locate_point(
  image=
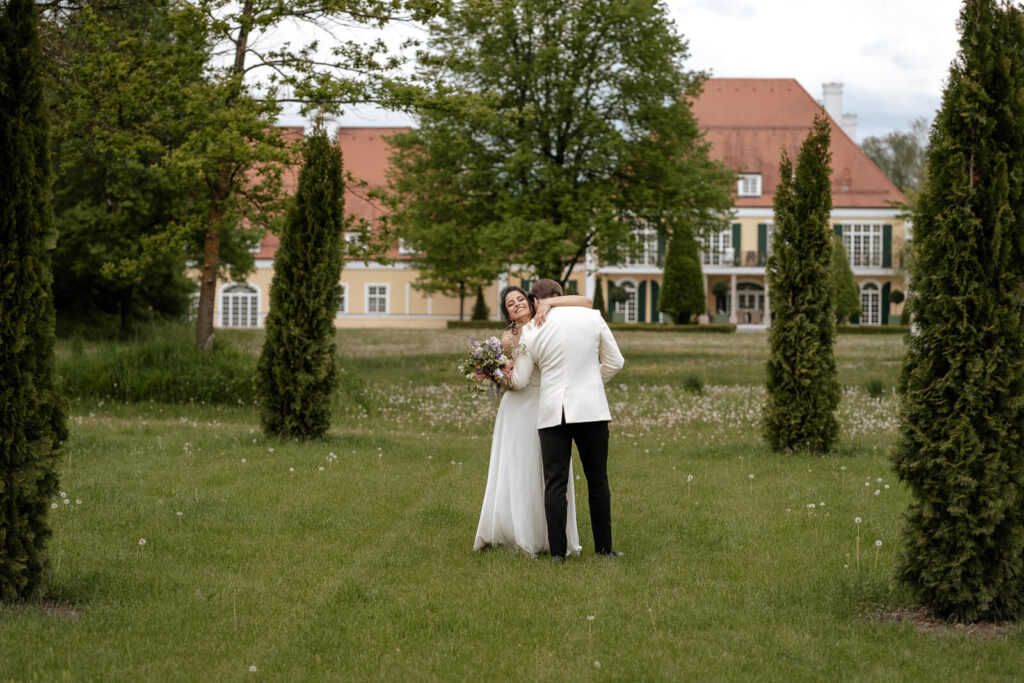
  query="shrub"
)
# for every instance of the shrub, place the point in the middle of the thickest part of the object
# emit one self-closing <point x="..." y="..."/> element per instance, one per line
<point x="166" y="368"/>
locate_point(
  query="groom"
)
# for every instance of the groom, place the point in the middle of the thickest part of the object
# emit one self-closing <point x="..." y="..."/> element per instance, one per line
<point x="576" y="354"/>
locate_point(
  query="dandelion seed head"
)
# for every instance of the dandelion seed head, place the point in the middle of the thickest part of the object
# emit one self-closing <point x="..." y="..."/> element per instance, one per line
<point x="878" y="543"/>
<point x="856" y="520"/>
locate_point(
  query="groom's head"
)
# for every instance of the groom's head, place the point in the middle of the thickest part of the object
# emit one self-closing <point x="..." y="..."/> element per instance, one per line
<point x="545" y="289"/>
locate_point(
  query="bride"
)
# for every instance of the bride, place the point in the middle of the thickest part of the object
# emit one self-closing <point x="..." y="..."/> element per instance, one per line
<point x="513" y="509"/>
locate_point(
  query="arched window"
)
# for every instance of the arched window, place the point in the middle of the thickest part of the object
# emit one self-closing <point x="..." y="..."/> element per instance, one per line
<point x="240" y="306"/>
<point x="870" y="304"/>
<point x="628" y="307"/>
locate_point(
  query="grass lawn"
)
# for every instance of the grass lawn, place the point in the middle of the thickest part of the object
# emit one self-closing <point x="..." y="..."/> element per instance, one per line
<point x="352" y="558"/>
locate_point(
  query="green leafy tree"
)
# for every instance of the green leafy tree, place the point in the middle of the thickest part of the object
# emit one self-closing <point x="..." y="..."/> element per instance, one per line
<point x="480" y="310"/>
<point x="599" y="298"/>
<point x="32" y="428"/>
<point x="960" y="446"/>
<point x="296" y="373"/>
<point x="900" y="155"/>
<point x="803" y="389"/>
<point x="551" y="129"/>
<point x="120" y="82"/>
<point x="682" y="289"/>
<point x="846" y="294"/>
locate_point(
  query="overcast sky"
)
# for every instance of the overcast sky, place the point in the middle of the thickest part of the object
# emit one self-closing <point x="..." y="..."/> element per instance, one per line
<point x="892" y="56"/>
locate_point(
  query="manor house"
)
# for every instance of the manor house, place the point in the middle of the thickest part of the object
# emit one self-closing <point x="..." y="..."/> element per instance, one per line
<point x="748" y="122"/>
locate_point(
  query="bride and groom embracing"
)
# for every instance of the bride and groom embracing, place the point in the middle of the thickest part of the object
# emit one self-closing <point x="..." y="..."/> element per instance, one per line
<point x="563" y="353"/>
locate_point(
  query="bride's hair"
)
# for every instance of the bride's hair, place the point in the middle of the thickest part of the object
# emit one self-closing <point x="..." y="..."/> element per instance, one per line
<point x="529" y="298"/>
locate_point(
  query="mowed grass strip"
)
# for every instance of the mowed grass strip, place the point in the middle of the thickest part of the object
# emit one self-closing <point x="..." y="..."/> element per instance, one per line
<point x="352" y="559"/>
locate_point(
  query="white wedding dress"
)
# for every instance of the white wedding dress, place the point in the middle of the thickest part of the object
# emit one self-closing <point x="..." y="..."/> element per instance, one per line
<point x="513" y="509"/>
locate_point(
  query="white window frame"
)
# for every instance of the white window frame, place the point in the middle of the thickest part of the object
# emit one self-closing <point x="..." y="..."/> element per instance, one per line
<point x="863" y="244"/>
<point x="368" y="296"/>
<point x="769" y="241"/>
<point x="629" y="307"/>
<point x="750" y="296"/>
<point x="239" y="305"/>
<point x="870" y="293"/>
<point x="404" y="249"/>
<point x="717" y="249"/>
<point x="343" y="306"/>
<point x="748" y="185"/>
<point x="648" y="237"/>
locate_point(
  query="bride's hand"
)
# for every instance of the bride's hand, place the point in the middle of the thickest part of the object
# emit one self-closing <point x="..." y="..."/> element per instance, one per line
<point x="542" y="313"/>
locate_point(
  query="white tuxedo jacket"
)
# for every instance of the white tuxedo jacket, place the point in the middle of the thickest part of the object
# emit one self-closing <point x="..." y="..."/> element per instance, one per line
<point x="576" y="354"/>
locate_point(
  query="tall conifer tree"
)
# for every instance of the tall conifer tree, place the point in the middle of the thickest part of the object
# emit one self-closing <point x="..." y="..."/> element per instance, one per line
<point x="803" y="390"/>
<point x="682" y="291"/>
<point x="961" y="449"/>
<point x="296" y="372"/>
<point x="32" y="419"/>
<point x="846" y="295"/>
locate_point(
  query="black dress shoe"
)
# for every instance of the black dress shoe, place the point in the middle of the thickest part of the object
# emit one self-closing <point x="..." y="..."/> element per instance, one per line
<point x="557" y="559"/>
<point x="611" y="554"/>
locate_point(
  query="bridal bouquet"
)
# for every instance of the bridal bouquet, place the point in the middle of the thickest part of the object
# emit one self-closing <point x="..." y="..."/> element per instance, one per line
<point x="484" y="362"/>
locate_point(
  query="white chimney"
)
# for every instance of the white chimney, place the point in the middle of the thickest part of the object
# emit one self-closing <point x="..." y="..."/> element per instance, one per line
<point x="832" y="100"/>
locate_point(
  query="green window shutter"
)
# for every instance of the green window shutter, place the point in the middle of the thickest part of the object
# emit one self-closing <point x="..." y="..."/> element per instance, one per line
<point x="762" y="243"/>
<point x="885" y="303"/>
<point x="855" y="319"/>
<point x="838" y="227"/>
<point x="572" y="287"/>
<point x="610" y="304"/>
<point x="887" y="246"/>
<point x="654" y="302"/>
<point x="526" y="284"/>
<point x="735" y="244"/>
<point x="641" y="302"/>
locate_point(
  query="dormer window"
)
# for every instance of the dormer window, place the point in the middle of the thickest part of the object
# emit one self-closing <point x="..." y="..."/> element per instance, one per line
<point x="748" y="185"/>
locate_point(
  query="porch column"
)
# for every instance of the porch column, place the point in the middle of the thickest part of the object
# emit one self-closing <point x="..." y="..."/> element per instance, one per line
<point x="734" y="300"/>
<point x="767" y="303"/>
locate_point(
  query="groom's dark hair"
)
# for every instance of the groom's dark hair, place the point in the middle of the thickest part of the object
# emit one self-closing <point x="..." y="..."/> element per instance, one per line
<point x="546" y="288"/>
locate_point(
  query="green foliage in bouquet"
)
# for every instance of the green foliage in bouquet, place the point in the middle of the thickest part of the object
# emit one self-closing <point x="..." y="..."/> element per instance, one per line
<point x="296" y="373"/>
<point x="32" y="413"/>
<point x="803" y="389"/>
<point x="961" y="447"/>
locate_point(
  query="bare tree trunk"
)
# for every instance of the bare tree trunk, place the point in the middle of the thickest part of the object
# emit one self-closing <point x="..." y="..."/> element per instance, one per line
<point x="462" y="299"/>
<point x="208" y="283"/>
<point x="219" y="192"/>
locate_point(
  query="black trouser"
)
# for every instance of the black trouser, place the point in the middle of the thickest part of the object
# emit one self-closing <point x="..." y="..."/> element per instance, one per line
<point x="556" y="451"/>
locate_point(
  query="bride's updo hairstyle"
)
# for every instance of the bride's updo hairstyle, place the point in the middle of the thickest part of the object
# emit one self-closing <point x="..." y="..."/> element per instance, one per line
<point x="529" y="299"/>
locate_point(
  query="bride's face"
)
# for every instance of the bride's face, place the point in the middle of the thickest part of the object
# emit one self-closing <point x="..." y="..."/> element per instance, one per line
<point x="518" y="307"/>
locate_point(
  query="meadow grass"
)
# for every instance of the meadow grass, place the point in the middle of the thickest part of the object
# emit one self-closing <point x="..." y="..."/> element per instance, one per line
<point x="351" y="558"/>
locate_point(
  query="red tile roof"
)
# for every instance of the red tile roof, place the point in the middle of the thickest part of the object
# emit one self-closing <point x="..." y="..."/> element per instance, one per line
<point x="365" y="155"/>
<point x="748" y="121"/>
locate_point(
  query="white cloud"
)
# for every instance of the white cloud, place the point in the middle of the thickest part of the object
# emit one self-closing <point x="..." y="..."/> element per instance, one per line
<point x="892" y="56"/>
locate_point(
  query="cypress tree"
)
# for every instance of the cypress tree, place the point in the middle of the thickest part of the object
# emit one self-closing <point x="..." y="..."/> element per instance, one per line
<point x="480" y="310"/>
<point x="803" y="390"/>
<point x="682" y="287"/>
<point x="599" y="299"/>
<point x="846" y="295"/>
<point x="296" y="373"/>
<point x="32" y="416"/>
<point x="962" y="382"/>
